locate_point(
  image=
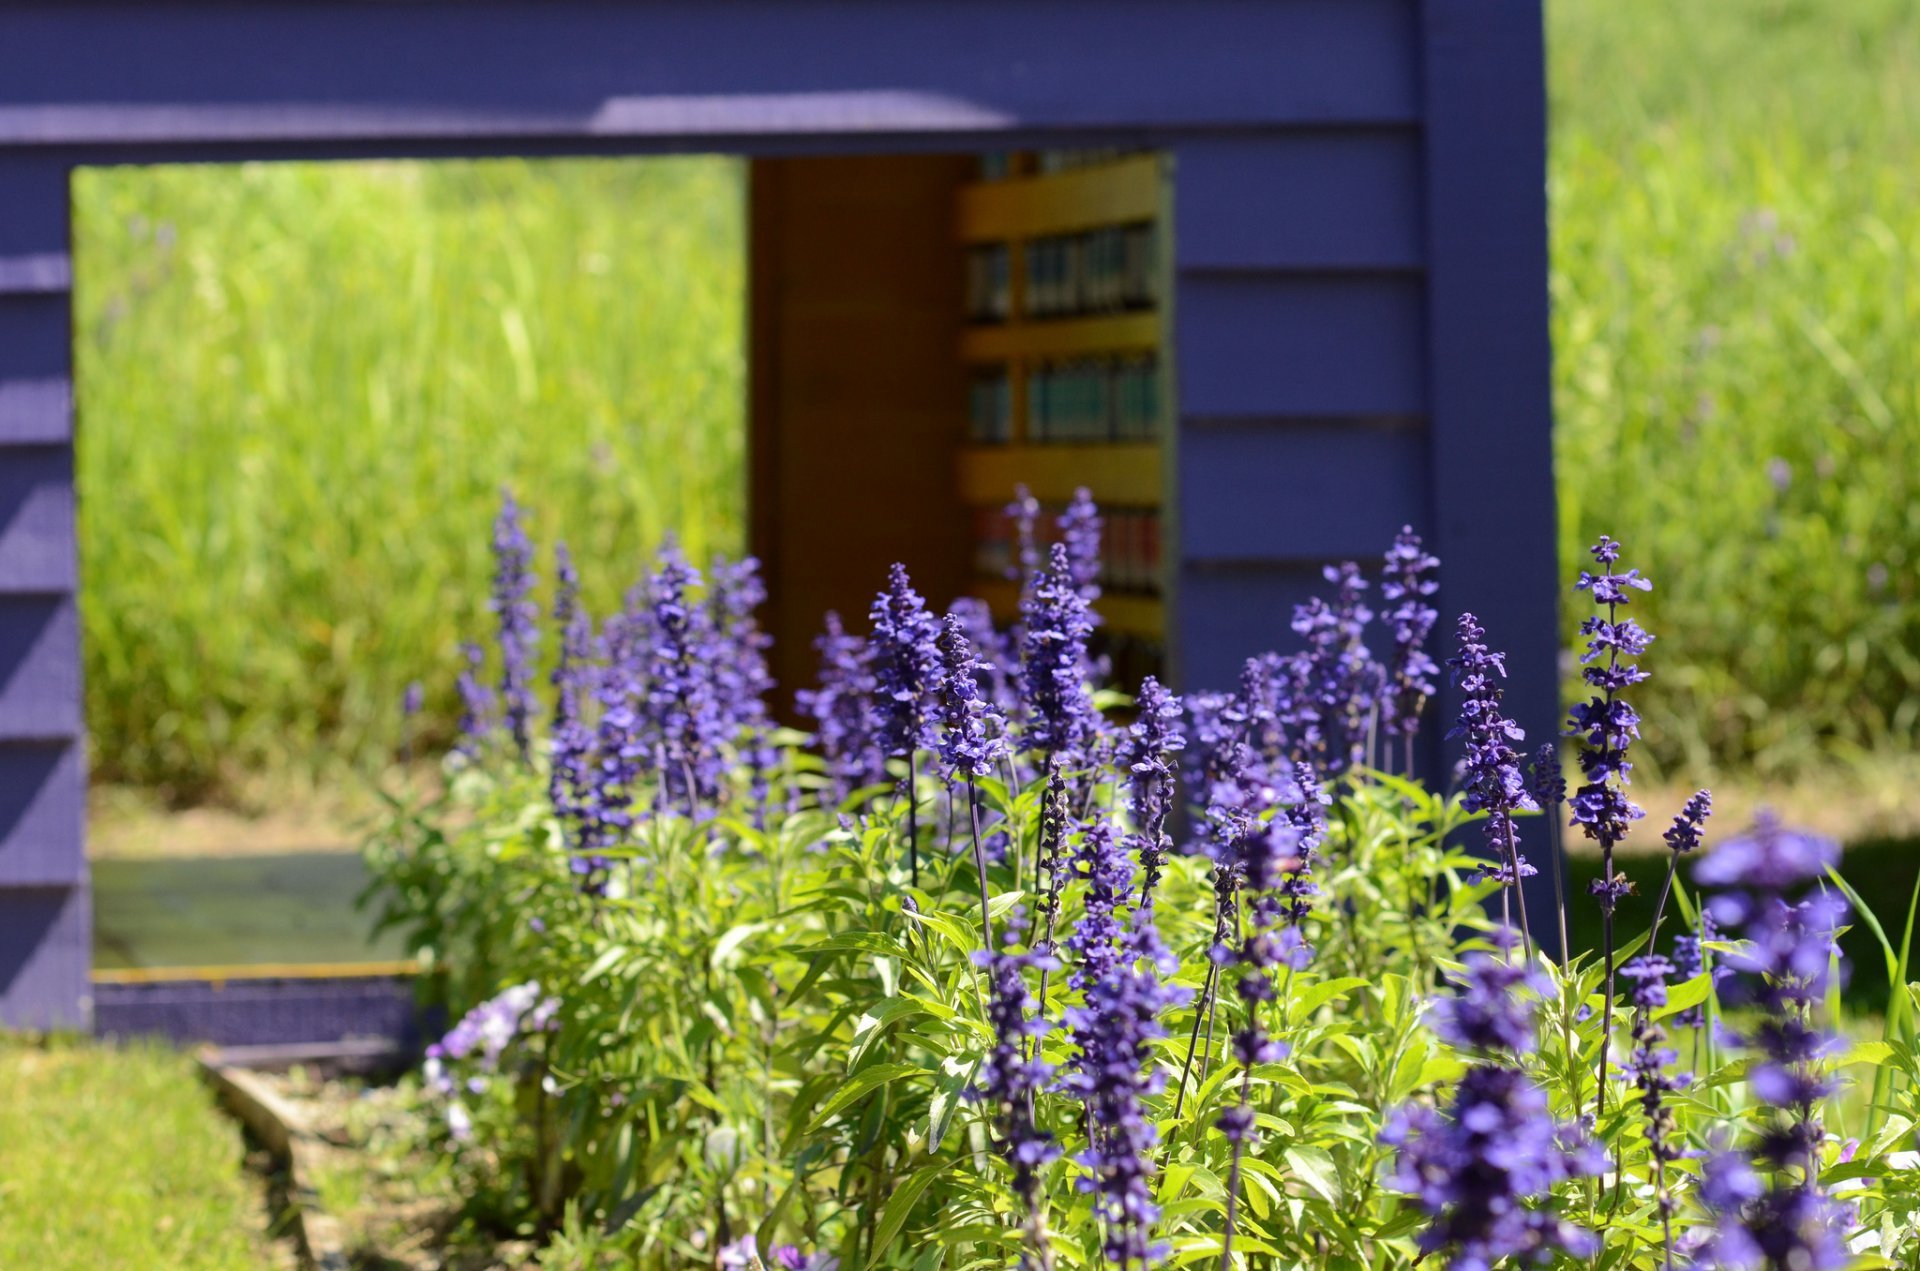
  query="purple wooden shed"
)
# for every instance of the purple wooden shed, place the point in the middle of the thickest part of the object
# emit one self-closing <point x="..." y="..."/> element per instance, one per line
<point x="1349" y="309"/>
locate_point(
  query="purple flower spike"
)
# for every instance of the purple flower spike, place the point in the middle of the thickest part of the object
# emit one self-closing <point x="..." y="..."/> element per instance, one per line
<point x="1768" y="857"/>
<point x="683" y="731"/>
<point x="1483" y="1171"/>
<point x="1024" y="511"/>
<point x="1154" y="742"/>
<point x="1080" y="527"/>
<point x="518" y="619"/>
<point x="906" y="667"/>
<point x="1060" y="716"/>
<point x="1495" y="1011"/>
<point x="1405" y="585"/>
<point x="570" y="740"/>
<point x="1493" y="780"/>
<point x="973" y="739"/>
<point x="479" y="708"/>
<point x="842" y="710"/>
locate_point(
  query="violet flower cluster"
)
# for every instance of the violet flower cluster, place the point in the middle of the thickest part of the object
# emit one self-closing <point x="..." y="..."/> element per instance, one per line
<point x="1118" y="967"/>
<point x="973" y="736"/>
<point x="1605" y="722"/>
<point x="1491" y="775"/>
<point x="1060" y="716"/>
<point x="1780" y="972"/>
<point x="1406" y="583"/>
<point x="518" y="619"/>
<point x="841" y="706"/>
<point x="479" y="1040"/>
<point x="1013" y="1074"/>
<point x="906" y="667"/>
<point x="1483" y="1169"/>
<point x="1154" y="743"/>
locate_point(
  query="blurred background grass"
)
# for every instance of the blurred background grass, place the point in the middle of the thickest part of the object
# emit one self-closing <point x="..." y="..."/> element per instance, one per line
<point x="300" y="390"/>
<point x="1736" y="235"/>
<point x="301" y="386"/>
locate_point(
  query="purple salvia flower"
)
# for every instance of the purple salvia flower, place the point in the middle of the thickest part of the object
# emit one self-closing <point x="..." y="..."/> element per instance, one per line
<point x="1405" y="585"/>
<point x="1080" y="527"/>
<point x="997" y="653"/>
<point x="1013" y="1072"/>
<point x="570" y="740"/>
<point x="1606" y="724"/>
<point x="842" y="710"/>
<point x="741" y="680"/>
<point x="1647" y="1071"/>
<point x="1154" y="742"/>
<point x="1684" y="834"/>
<point x="1483" y="1171"/>
<point x="1119" y="968"/>
<point x="1492" y="779"/>
<point x="1494" y="1012"/>
<point x="1340" y="678"/>
<point x="518" y="619"/>
<point x="906" y="667"/>
<point x="1059" y="710"/>
<point x="682" y="728"/>
<point x="1024" y="511"/>
<point x="1780" y="971"/>
<point x="973" y="738"/>
<point x="478" y="707"/>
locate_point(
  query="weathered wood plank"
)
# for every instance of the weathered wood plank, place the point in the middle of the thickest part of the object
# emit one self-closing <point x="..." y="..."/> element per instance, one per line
<point x="1332" y="199"/>
<point x="42" y="813"/>
<point x="45" y="944"/>
<point x="1271" y="345"/>
<point x="282" y="72"/>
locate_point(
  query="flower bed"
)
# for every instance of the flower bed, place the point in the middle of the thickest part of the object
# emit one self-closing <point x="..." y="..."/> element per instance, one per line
<point x="955" y="981"/>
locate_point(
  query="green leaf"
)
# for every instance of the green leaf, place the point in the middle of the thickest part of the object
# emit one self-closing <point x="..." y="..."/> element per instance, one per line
<point x="1683" y="997"/>
<point x="862" y="1082"/>
<point x="900" y="1207"/>
<point x="1314" y="1167"/>
<point x="728" y="944"/>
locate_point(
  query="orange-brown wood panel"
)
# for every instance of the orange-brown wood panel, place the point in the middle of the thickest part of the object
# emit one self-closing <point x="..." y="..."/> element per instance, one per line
<point x="856" y="396"/>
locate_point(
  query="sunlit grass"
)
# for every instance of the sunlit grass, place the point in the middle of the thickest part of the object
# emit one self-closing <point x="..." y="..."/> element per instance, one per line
<point x="1736" y="236"/>
<point x="115" y="1158"/>
<point x="300" y="390"/>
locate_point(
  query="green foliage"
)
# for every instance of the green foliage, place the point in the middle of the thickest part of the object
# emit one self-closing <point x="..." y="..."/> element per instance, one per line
<point x="114" y="1157"/>
<point x="300" y="385"/>
<point x="1736" y="229"/>
<point x="766" y="1029"/>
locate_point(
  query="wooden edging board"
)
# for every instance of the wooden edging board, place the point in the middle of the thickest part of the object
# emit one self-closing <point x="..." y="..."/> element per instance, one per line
<point x="284" y="1132"/>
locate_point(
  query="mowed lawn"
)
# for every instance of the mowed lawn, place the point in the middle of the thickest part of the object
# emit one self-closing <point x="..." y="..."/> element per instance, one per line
<point x="115" y="1158"/>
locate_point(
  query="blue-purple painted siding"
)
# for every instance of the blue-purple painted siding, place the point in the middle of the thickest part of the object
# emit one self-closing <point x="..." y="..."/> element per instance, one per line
<point x="1359" y="275"/>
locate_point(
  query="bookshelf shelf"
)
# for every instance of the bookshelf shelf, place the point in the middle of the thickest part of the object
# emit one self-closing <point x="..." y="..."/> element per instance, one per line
<point x="1124" y="613"/>
<point x="1127" y="474"/>
<point x="1063" y="338"/>
<point x="1062" y="202"/>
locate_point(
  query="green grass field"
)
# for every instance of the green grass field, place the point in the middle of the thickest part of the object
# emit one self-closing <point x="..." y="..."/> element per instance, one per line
<point x="1736" y="285"/>
<point x="114" y="1158"/>
<point x="301" y="386"/>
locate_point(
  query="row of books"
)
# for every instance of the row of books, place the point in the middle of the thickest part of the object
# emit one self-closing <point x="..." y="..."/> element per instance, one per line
<point x="1129" y="546"/>
<point x="1106" y="270"/>
<point x="989" y="284"/>
<point x="1085" y="400"/>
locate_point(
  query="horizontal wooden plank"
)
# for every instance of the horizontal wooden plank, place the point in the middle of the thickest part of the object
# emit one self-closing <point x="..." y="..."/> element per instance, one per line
<point x="1228" y="614"/>
<point x="42" y="802"/>
<point x="39" y="668"/>
<point x="36" y="519"/>
<point x="1124" y="613"/>
<point x="1128" y="190"/>
<point x="36" y="335"/>
<point x="45" y="943"/>
<point x="35" y="273"/>
<point x="1276" y="344"/>
<point x="210" y="70"/>
<point x="1120" y="474"/>
<point x="1063" y="337"/>
<point x="1345" y="199"/>
<point x="1299" y="489"/>
<point x="36" y="411"/>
